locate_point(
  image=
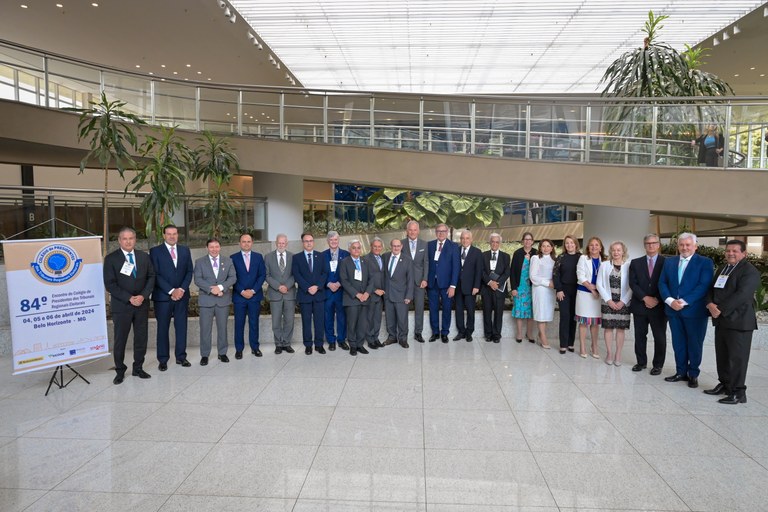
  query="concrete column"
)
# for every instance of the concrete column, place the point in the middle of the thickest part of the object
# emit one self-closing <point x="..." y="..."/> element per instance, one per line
<point x="285" y="203"/>
<point x="611" y="224"/>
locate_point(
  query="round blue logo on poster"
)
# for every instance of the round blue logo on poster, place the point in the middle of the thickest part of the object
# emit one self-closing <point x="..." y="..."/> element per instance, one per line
<point x="56" y="264"/>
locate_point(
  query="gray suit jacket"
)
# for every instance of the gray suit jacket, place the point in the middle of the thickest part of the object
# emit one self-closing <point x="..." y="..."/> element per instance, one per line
<point x="205" y="278"/>
<point x="377" y="276"/>
<point x="351" y="285"/>
<point x="400" y="285"/>
<point x="420" y="262"/>
<point x="275" y="278"/>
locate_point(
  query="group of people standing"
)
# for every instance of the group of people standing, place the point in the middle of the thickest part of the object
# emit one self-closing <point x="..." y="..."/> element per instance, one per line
<point x="342" y="296"/>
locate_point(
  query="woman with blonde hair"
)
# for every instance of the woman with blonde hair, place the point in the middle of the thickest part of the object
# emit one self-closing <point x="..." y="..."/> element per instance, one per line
<point x="564" y="276"/>
<point x="587" y="296"/>
<point x="613" y="286"/>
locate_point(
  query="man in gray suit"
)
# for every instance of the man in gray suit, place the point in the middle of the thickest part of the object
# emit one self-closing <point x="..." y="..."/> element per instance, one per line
<point x="415" y="250"/>
<point x="214" y="276"/>
<point x="398" y="287"/>
<point x="281" y="293"/>
<point x="354" y="276"/>
<point x="375" y="264"/>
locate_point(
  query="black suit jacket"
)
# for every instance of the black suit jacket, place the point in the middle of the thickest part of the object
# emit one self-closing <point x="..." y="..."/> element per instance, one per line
<point x="736" y="301"/>
<point x="121" y="287"/>
<point x="503" y="269"/>
<point x="643" y="285"/>
<point x="470" y="274"/>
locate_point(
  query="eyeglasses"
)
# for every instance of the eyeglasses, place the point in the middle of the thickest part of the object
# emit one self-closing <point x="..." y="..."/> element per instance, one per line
<point x="308" y="241"/>
<point x="651" y="243"/>
<point x="441" y="231"/>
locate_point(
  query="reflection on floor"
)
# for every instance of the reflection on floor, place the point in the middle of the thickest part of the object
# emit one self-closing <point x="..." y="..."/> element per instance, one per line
<point x="476" y="427"/>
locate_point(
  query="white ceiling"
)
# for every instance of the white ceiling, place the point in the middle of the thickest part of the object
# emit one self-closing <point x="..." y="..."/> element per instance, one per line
<point x="460" y="46"/>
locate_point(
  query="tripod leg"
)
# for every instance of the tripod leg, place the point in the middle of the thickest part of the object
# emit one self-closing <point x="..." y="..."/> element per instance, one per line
<point x="53" y="379"/>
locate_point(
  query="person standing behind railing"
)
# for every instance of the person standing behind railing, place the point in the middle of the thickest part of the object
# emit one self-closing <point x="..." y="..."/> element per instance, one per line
<point x="711" y="144"/>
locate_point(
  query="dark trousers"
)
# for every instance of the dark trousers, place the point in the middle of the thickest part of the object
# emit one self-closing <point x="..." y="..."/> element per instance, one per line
<point x="687" y="342"/>
<point x="250" y="309"/>
<point x="439" y="300"/>
<point x="493" y="313"/>
<point x="312" y="312"/>
<point x="164" y="311"/>
<point x="732" y="353"/>
<point x="357" y="325"/>
<point x="567" y="317"/>
<point x="373" y="321"/>
<point x="465" y="312"/>
<point x="123" y="321"/>
<point x="658" y="323"/>
<point x="418" y="308"/>
<point x="335" y="310"/>
<point x="397" y="320"/>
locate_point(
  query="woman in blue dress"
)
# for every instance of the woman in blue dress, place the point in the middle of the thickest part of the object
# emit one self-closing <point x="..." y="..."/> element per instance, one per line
<point x="522" y="308"/>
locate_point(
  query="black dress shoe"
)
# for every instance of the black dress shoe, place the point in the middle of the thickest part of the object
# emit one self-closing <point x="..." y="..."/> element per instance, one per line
<point x="419" y="338"/>
<point x="458" y="337"/>
<point x="733" y="399"/>
<point x="468" y="337"/>
<point x="693" y="382"/>
<point x="256" y="352"/>
<point x="444" y="338"/>
<point x="331" y="347"/>
<point x="676" y="378"/>
<point x="389" y="341"/>
<point x="308" y="351"/>
<point x="519" y="340"/>
<point x="223" y="358"/>
<point x="404" y="344"/>
<point x="720" y="389"/>
<point x="433" y="337"/>
<point x="239" y="354"/>
<point x="379" y="344"/>
<point x="489" y="339"/>
<point x="118" y="379"/>
<point x="362" y="350"/>
<point x="203" y="361"/>
<point x="639" y="368"/>
<point x="278" y="350"/>
<point x="372" y="345"/>
<point x="497" y="340"/>
<point x="531" y="341"/>
<point x="184" y="363"/>
<point x="162" y="367"/>
<point x="353" y="351"/>
<point x="289" y="350"/>
<point x="343" y="345"/>
<point x="571" y="349"/>
<point x="656" y="371"/>
<point x="320" y="350"/>
<point x="141" y="374"/>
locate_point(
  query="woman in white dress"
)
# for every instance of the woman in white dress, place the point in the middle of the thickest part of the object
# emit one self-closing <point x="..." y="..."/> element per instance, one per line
<point x="542" y="266"/>
<point x="587" y="296"/>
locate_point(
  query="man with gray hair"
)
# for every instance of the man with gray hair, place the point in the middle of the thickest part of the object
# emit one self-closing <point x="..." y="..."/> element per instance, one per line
<point x="355" y="275"/>
<point x="375" y="264"/>
<point x="684" y="284"/>
<point x="334" y="309"/>
<point x="415" y="251"/>
<point x="281" y="293"/>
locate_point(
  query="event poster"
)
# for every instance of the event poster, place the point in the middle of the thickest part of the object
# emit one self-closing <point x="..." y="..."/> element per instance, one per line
<point x="56" y="300"/>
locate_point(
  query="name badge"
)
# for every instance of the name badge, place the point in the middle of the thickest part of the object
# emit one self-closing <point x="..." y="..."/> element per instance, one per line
<point x="127" y="269"/>
<point x="437" y="255"/>
<point x="721" y="280"/>
<point x="334" y="264"/>
<point x="358" y="275"/>
<point x="493" y="264"/>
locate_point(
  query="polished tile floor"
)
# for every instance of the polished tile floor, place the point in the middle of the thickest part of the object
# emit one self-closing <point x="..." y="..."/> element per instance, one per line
<point x="459" y="427"/>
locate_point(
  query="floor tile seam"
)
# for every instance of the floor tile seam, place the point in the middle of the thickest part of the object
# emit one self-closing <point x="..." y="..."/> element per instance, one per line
<point x="721" y="436"/>
<point x="211" y="447"/>
<point x="107" y="447"/>
<point x="423" y="428"/>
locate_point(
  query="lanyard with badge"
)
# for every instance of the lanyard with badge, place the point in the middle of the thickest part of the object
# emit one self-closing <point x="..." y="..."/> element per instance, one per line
<point x="723" y="277"/>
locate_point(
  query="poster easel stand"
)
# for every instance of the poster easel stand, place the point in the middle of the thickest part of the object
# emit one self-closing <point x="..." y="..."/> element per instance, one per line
<point x="59" y="379"/>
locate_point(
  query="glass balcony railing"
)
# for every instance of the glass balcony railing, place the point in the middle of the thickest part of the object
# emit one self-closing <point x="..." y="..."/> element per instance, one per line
<point x="577" y="128"/>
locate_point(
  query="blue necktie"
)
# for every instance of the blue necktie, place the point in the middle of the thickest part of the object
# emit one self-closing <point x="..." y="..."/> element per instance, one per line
<point x="681" y="269"/>
<point x="357" y="264"/>
<point x="130" y="260"/>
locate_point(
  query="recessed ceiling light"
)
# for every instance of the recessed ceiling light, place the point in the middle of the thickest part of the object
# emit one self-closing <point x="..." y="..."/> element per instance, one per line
<point x="162" y="65"/>
<point x="189" y="65"/>
<point x="752" y="68"/>
<point x="24" y="6"/>
<point x="151" y="73"/>
<point x="762" y="74"/>
<point x="186" y="79"/>
<point x="175" y="72"/>
<point x="199" y="72"/>
<point x="94" y="4"/>
<point x="209" y="78"/>
<point x="59" y="6"/>
<point x="138" y="66"/>
<point x="736" y="74"/>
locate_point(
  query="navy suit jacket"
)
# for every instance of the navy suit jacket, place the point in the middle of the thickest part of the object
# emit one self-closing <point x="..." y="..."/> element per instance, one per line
<point x="471" y="273"/>
<point x="644" y="285"/>
<point x="304" y="278"/>
<point x="252" y="279"/>
<point x="333" y="277"/>
<point x="692" y="289"/>
<point x="168" y="277"/>
<point x="445" y="271"/>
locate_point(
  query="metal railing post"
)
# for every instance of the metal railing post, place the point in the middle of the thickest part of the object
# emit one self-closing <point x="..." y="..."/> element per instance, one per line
<point x="587" y="131"/>
<point x="654" y="131"/>
<point x="371" y="121"/>
<point x="472" y="110"/>
<point x="421" y="124"/>
<point x="240" y="112"/>
<point x="152" y="112"/>
<point x="325" y="119"/>
<point x="46" y="86"/>
<point x="727" y="130"/>
<point x="528" y="131"/>
<point x="281" y="116"/>
<point x="52" y="214"/>
<point x="197" y="109"/>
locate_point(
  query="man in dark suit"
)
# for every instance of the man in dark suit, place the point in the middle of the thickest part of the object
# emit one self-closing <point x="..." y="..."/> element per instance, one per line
<point x="355" y="279"/>
<point x="247" y="293"/>
<point x="731" y="302"/>
<point x="470" y="273"/>
<point x="173" y="275"/>
<point x="129" y="278"/>
<point x="214" y="276"/>
<point x="647" y="307"/>
<point x="415" y="250"/>
<point x="442" y="279"/>
<point x="281" y="292"/>
<point x="497" y="266"/>
<point x="683" y="284"/>
<point x="310" y="275"/>
<point x="376" y="269"/>
<point x="398" y="288"/>
<point x="334" y="309"/>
